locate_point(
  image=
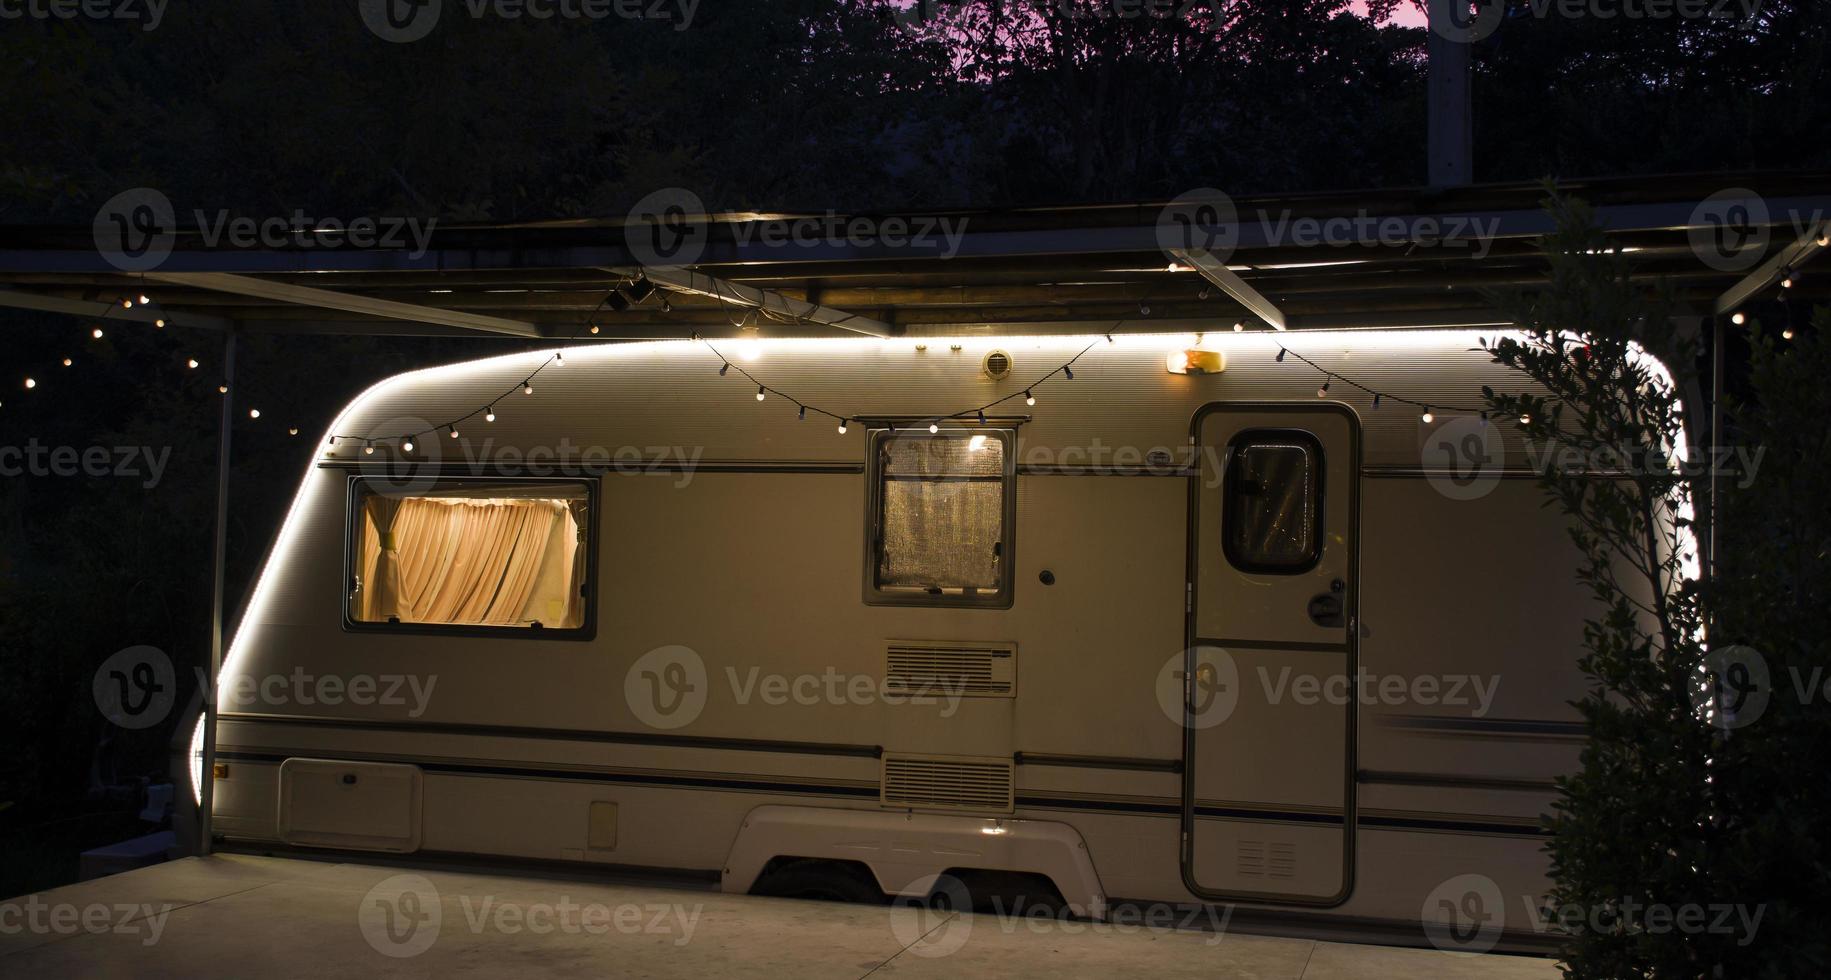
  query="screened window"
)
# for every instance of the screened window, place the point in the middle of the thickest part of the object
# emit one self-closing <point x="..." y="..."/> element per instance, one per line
<point x="942" y="515"/>
<point x="1272" y="510"/>
<point x="471" y="554"/>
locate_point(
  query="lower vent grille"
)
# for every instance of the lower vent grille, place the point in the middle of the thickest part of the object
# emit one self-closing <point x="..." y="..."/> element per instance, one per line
<point x="948" y="783"/>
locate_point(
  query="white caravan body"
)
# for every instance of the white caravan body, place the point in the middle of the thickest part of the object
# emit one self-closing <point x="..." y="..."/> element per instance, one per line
<point x="1140" y="703"/>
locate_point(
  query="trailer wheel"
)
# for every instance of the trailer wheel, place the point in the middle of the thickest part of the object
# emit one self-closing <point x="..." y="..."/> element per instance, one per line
<point x="829" y="881"/>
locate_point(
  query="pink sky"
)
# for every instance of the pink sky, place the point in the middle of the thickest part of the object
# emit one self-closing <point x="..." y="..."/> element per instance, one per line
<point x="1408" y="14"/>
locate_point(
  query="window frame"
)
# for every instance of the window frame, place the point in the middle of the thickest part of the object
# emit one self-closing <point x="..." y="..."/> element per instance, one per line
<point x="1267" y="436"/>
<point x="352" y="550"/>
<point x="874" y="594"/>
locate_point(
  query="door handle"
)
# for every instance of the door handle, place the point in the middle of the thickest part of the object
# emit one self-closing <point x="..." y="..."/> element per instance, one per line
<point x="1326" y="610"/>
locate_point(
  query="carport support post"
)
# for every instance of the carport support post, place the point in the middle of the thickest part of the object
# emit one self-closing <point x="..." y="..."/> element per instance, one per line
<point x="207" y="779"/>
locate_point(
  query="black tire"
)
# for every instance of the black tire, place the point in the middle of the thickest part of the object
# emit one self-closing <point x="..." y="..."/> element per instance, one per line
<point x="829" y="881"/>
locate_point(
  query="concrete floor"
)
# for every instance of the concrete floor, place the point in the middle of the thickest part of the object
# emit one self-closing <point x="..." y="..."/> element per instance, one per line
<point x="275" y="919"/>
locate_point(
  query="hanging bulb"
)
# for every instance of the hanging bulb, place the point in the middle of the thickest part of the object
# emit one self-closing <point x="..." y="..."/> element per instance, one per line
<point x="594" y="328"/>
<point x="222" y="389"/>
<point x="407" y="445"/>
<point x="191" y="363"/>
<point x="933" y="428"/>
<point x="160" y="323"/>
<point x="1029" y="399"/>
<point x="1281" y="353"/>
<point x="145" y="300"/>
<point x="1323" y="392"/>
<point x="31" y="383"/>
<point x="1525" y="419"/>
<point x="1738" y="319"/>
<point x="490" y="416"/>
<point x="559" y="358"/>
<point x="1238" y="326"/>
<point x="527" y="387"/>
<point x="254" y="413"/>
<point x="127" y="304"/>
<point x="1376" y="400"/>
<point x="368" y="448"/>
<point x="292" y="431"/>
<point x="454" y="431"/>
<point x="1786" y="280"/>
<point x="723" y="368"/>
<point x="801" y="415"/>
<point x="68" y="362"/>
<point x="96" y="333"/>
<point x="1109" y="338"/>
<point x="842" y="427"/>
<point x="1786" y="334"/>
<point x="1427" y="418"/>
<point x="760" y="393"/>
<point x="1068" y="372"/>
<point x="982" y="416"/>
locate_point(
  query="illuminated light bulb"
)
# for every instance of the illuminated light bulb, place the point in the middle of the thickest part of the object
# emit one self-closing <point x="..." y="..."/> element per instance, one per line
<point x="1787" y="283"/>
<point x="760" y="392"/>
<point x="1525" y="420"/>
<point x="407" y="446"/>
<point x="191" y="363"/>
<point x="933" y="428"/>
<point x="31" y="382"/>
<point x="1029" y="399"/>
<point x="490" y="416"/>
<point x="368" y="449"/>
<point x="1427" y="417"/>
<point x="1738" y="319"/>
<point x="559" y="358"/>
<point x="160" y="323"/>
<point x="842" y="427"/>
<point x="1786" y="334"/>
<point x="145" y="300"/>
<point x="594" y="328"/>
<point x="127" y="304"/>
<point x="292" y="432"/>
<point x="222" y="389"/>
<point x="527" y="388"/>
<point x="254" y="413"/>
<point x="1323" y="392"/>
<point x="1238" y="326"/>
<point x="96" y="333"/>
<point x="68" y="362"/>
<point x="454" y="431"/>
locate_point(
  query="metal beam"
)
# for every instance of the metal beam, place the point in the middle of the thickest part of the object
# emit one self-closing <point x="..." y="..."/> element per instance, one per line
<point x="206" y="786"/>
<point x="347" y="302"/>
<point x="1216" y="271"/>
<point x="698" y="283"/>
<point x="108" y="310"/>
<point x="1774" y="269"/>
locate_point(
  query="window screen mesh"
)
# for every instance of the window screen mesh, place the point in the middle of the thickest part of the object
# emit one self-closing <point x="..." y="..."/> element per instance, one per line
<point x="943" y="513"/>
<point x="1272" y="509"/>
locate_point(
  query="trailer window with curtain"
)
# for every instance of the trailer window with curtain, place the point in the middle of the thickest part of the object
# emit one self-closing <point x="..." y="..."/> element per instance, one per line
<point x="1271" y="516"/>
<point x="943" y="509"/>
<point x="470" y="554"/>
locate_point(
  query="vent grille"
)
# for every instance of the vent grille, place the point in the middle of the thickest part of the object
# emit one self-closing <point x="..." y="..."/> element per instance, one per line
<point x="1267" y="859"/>
<point x="948" y="783"/>
<point x="974" y="670"/>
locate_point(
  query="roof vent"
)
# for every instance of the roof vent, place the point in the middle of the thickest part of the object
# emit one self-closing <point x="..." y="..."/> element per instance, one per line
<point x="941" y="782"/>
<point x="996" y="365"/>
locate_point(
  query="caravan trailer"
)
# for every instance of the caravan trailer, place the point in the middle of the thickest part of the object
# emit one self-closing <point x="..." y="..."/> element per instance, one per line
<point x="1179" y="625"/>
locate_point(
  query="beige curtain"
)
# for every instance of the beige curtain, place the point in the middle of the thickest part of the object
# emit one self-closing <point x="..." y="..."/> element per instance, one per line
<point x="467" y="561"/>
<point x="385" y="584"/>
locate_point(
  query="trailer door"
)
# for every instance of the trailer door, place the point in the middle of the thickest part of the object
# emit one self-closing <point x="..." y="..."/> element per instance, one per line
<point x="1269" y="676"/>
